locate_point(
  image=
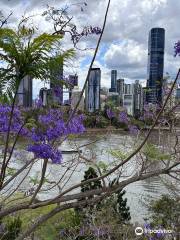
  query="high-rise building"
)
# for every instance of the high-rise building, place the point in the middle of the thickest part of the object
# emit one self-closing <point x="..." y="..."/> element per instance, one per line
<point x="45" y="95"/>
<point x="128" y="98"/>
<point x="24" y="94"/>
<point x="138" y="99"/>
<point x="113" y="81"/>
<point x="155" y="65"/>
<point x="76" y="93"/>
<point x="56" y="86"/>
<point x="120" y="90"/>
<point x="93" y="90"/>
<point x="73" y="82"/>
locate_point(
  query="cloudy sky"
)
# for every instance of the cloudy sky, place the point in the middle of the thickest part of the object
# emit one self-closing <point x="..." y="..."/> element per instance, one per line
<point x="125" y="40"/>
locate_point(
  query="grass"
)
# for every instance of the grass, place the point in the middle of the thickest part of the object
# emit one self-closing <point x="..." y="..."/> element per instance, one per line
<point x="49" y="230"/>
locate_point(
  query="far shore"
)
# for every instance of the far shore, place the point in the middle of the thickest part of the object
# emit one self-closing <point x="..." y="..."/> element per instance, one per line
<point x="121" y="130"/>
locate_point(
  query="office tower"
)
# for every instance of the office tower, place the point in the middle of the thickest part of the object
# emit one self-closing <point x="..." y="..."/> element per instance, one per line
<point x="44" y="95"/>
<point x="93" y="90"/>
<point x="57" y="86"/>
<point x="24" y="94"/>
<point x="113" y="81"/>
<point x="128" y="98"/>
<point x="73" y="82"/>
<point x="155" y="65"/>
<point x="138" y="99"/>
<point x="120" y="90"/>
<point x="76" y="93"/>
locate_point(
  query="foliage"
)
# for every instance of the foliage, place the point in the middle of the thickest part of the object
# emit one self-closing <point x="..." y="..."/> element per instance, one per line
<point x="25" y="54"/>
<point x="89" y="174"/>
<point x="153" y="153"/>
<point x="43" y="128"/>
<point x="12" y="228"/>
<point x="164" y="215"/>
<point x="98" y="121"/>
<point x="122" y="208"/>
<point x="165" y="212"/>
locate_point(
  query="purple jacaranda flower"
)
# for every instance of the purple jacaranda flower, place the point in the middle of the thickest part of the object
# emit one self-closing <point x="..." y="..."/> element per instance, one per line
<point x="45" y="151"/>
<point x="48" y="127"/>
<point x="38" y="103"/>
<point x="177" y="49"/>
<point x="58" y="91"/>
<point x="110" y="113"/>
<point x="123" y="117"/>
<point x="133" y="129"/>
<point x="147" y="226"/>
<point x="16" y="123"/>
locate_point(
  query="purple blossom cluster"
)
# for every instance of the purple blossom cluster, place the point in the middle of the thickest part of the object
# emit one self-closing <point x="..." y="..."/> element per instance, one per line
<point x="45" y="151"/>
<point x="48" y="127"/>
<point x="110" y="113"/>
<point x="51" y="127"/>
<point x="133" y="129"/>
<point x="16" y="123"/>
<point x="177" y="49"/>
<point x="58" y="91"/>
<point x="123" y="117"/>
<point x="150" y="111"/>
<point x="38" y="103"/>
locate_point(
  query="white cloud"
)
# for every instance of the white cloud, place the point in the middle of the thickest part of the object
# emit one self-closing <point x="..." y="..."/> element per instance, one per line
<point x="125" y="39"/>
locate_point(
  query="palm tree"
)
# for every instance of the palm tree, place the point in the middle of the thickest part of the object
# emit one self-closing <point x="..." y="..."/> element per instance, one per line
<point x="23" y="53"/>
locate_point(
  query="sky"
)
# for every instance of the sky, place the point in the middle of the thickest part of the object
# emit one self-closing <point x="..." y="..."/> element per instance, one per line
<point x="125" y="41"/>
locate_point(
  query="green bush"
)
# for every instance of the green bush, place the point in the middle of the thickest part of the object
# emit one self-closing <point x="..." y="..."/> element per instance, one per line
<point x="12" y="229"/>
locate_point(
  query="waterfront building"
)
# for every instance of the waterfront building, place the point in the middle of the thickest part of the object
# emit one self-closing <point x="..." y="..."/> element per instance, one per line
<point x="156" y="44"/>
<point x="128" y="98"/>
<point x="138" y="99"/>
<point x="113" y="81"/>
<point x="73" y="82"/>
<point x="56" y="86"/>
<point x="44" y="95"/>
<point x="75" y="95"/>
<point x="93" y="90"/>
<point x="120" y="90"/>
<point x="24" y="94"/>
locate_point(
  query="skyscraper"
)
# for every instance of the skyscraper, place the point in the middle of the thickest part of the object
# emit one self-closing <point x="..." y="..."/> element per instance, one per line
<point x="138" y="99"/>
<point x="24" y="94"/>
<point x="155" y="65"/>
<point x="128" y="98"/>
<point x="120" y="89"/>
<point x="113" y="81"/>
<point x="56" y="85"/>
<point x="93" y="90"/>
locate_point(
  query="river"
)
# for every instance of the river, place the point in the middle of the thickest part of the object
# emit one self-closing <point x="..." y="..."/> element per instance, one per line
<point x="137" y="193"/>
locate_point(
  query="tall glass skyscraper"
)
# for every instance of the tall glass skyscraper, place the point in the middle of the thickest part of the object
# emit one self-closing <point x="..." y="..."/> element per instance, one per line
<point x="24" y="94"/>
<point x="155" y="65"/>
<point x="93" y="90"/>
<point x="113" y="81"/>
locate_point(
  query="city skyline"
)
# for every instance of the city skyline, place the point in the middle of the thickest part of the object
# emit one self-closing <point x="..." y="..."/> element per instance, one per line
<point x="124" y="44"/>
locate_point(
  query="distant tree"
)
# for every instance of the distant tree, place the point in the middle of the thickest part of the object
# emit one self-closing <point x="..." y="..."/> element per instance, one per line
<point x="165" y="212"/>
<point x="89" y="174"/>
<point x="122" y="208"/>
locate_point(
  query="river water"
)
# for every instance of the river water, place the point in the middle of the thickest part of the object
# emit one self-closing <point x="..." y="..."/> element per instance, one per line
<point x="138" y="194"/>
